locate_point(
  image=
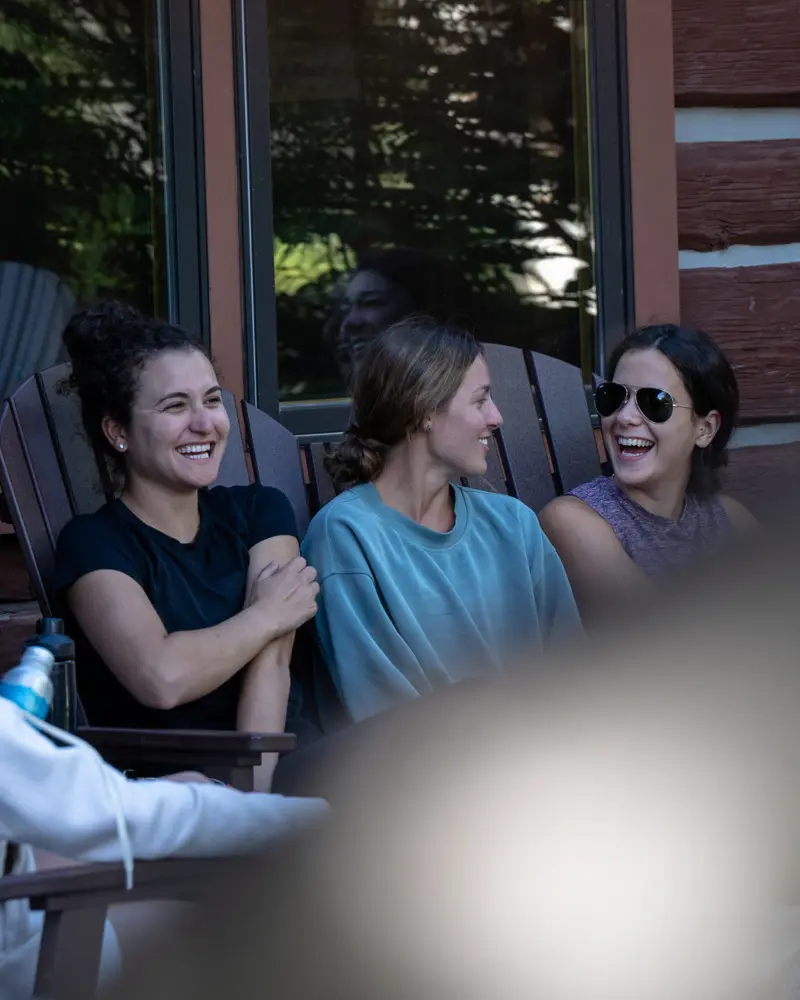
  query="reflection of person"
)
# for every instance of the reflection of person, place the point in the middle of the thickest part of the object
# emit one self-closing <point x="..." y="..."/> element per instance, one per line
<point x="424" y="581"/>
<point x="183" y="600"/>
<point x="388" y="285"/>
<point x="667" y="412"/>
<point x="59" y="799"/>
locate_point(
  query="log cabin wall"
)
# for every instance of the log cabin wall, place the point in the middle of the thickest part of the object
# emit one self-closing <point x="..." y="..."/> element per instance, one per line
<point x="737" y="126"/>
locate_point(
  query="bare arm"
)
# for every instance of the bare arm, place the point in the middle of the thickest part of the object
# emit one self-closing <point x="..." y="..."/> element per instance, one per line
<point x="165" y="670"/>
<point x="742" y="521"/>
<point x="265" y="689"/>
<point x="598" y="568"/>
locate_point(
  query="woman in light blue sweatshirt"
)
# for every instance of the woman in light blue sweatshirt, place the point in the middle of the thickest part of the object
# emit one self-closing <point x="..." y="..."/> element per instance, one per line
<point x="425" y="582"/>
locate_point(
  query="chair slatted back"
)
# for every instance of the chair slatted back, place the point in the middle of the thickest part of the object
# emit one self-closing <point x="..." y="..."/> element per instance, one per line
<point x="35" y="306"/>
<point x="322" y="488"/>
<point x="233" y="469"/>
<point x="276" y="460"/>
<point x="49" y="471"/>
<point x="25" y="502"/>
<point x="85" y="480"/>
<point x="520" y="443"/>
<point x="566" y="420"/>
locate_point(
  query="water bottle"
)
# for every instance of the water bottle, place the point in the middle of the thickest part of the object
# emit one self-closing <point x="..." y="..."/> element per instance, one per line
<point x="50" y="635"/>
<point x="28" y="684"/>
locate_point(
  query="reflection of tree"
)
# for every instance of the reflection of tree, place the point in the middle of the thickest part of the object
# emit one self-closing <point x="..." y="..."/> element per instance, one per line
<point x="455" y="134"/>
<point x="76" y="168"/>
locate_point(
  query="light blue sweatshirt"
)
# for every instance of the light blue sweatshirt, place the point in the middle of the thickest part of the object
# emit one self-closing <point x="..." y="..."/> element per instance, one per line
<point x="405" y="610"/>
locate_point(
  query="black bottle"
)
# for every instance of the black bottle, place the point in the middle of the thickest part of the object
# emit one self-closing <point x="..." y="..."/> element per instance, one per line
<point x="64" y="709"/>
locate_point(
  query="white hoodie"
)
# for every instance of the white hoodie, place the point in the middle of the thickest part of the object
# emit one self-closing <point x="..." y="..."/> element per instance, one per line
<point x="58" y="799"/>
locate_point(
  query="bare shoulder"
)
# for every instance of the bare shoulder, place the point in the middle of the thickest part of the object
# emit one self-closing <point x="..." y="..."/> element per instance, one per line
<point x="568" y="521"/>
<point x="568" y="512"/>
<point x="740" y="517"/>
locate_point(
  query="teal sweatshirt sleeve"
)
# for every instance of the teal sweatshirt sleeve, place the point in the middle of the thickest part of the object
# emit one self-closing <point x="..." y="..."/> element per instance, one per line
<point x="372" y="666"/>
<point x="558" y="613"/>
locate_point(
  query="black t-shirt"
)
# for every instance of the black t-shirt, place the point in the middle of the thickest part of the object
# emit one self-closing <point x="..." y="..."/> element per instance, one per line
<point x="191" y="586"/>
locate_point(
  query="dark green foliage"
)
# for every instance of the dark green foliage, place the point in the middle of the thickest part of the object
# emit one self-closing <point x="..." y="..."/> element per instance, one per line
<point x="78" y="146"/>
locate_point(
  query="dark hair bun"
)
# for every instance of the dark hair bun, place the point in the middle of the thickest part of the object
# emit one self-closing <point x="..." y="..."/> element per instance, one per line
<point x="356" y="460"/>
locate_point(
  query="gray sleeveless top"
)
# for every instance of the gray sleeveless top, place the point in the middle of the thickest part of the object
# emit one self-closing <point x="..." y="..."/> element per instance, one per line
<point x="658" y="545"/>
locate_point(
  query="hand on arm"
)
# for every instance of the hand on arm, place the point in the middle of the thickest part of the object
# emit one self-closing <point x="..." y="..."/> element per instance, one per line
<point x="598" y="568"/>
<point x="265" y="689"/>
<point x="164" y="670"/>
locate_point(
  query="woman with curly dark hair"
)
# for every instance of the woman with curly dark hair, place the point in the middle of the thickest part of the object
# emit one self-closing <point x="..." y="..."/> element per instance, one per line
<point x="183" y="600"/>
<point x="667" y="412"/>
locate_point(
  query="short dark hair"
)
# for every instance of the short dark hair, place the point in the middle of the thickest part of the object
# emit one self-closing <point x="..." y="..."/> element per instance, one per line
<point x="410" y="370"/>
<point x="108" y="345"/>
<point x="710" y="381"/>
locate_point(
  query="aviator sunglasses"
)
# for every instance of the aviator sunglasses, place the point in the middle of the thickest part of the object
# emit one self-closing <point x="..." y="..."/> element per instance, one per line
<point x="655" y="405"/>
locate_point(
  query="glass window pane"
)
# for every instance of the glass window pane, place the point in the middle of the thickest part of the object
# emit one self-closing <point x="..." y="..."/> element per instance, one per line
<point x="81" y="177"/>
<point x="428" y="156"/>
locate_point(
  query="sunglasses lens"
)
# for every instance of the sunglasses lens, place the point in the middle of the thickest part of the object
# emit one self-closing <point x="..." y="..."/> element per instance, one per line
<point x="608" y="398"/>
<point x="655" y="404"/>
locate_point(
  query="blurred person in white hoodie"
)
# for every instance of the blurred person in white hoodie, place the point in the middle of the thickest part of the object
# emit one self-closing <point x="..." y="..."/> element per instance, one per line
<point x="65" y="800"/>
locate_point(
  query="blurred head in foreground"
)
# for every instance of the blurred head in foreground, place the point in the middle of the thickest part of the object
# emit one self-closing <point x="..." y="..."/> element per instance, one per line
<point x="623" y="828"/>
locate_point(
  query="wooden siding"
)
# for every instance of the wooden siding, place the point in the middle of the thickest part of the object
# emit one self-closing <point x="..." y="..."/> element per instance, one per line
<point x="738" y="192"/>
<point x="766" y="479"/>
<point x="736" y="53"/>
<point x="754" y="314"/>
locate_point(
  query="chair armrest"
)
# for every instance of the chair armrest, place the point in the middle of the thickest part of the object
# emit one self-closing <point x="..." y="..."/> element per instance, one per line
<point x="203" y="744"/>
<point x="104" y="884"/>
<point x="228" y="756"/>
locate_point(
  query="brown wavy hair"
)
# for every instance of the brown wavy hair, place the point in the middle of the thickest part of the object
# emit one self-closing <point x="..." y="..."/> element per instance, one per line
<point x="409" y="371"/>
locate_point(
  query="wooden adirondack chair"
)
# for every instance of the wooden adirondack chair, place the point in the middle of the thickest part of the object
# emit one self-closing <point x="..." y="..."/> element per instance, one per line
<point x="75" y="903"/>
<point x="47" y="469"/>
<point x="48" y="474"/>
<point x="546" y="446"/>
<point x="35" y="306"/>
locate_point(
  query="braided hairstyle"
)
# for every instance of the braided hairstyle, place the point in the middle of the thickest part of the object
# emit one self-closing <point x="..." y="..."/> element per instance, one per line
<point x="109" y="345"/>
<point x="409" y="371"/>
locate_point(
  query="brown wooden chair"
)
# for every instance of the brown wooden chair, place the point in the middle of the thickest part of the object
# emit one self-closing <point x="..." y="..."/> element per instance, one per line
<point x="75" y="903"/>
<point x="545" y="448"/>
<point x="35" y="306"/>
<point x="49" y="473"/>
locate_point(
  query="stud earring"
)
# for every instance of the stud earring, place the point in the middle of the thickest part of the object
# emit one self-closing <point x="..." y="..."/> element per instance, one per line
<point x="428" y="427"/>
<point x="121" y="446"/>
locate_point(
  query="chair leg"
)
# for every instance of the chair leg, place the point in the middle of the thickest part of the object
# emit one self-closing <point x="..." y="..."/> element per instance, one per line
<point x="69" y="957"/>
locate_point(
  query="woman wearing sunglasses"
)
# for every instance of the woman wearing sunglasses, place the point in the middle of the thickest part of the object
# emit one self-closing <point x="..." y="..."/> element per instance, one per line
<point x="667" y="412"/>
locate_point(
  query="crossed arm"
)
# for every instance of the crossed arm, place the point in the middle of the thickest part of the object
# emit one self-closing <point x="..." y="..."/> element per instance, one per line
<point x="163" y="670"/>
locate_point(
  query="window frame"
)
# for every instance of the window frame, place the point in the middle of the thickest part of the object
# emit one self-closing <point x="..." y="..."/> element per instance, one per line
<point x="180" y="109"/>
<point x="611" y="206"/>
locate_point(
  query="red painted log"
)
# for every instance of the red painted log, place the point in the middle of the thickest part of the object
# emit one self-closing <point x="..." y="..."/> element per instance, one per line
<point x="738" y="192"/>
<point x="754" y="314"/>
<point x="736" y="53"/>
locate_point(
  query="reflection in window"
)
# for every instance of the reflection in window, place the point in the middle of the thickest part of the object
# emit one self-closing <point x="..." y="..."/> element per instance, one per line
<point x="80" y="168"/>
<point x="427" y="156"/>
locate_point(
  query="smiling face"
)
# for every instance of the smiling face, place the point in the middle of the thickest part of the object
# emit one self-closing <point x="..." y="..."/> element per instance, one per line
<point x="646" y="454"/>
<point x="370" y="304"/>
<point x="178" y="427"/>
<point x="460" y="434"/>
